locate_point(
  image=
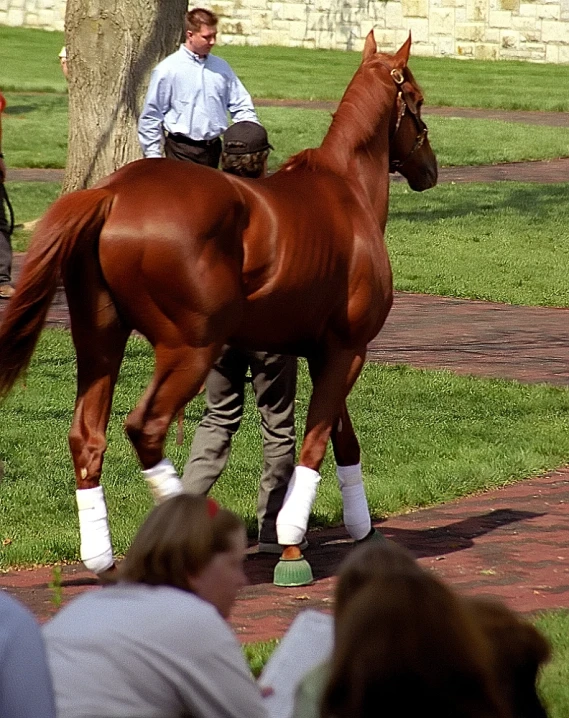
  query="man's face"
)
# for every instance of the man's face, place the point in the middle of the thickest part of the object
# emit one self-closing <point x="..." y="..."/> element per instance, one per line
<point x="202" y="41"/>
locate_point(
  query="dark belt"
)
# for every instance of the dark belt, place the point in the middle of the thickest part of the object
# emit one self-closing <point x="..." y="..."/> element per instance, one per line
<point x="184" y="140"/>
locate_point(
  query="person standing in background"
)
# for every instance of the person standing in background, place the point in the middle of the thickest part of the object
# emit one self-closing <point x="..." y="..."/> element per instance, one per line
<point x="189" y="96"/>
<point x="6" y="288"/>
<point x="63" y="60"/>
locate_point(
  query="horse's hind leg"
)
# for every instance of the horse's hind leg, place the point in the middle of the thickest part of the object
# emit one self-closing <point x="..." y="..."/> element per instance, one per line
<point x="333" y="376"/>
<point x="178" y="376"/>
<point x="349" y="472"/>
<point x="99" y="354"/>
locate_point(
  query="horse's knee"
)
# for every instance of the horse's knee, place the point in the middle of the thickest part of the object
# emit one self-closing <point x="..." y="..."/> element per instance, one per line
<point x="345" y="444"/>
<point x="148" y="439"/>
<point x="133" y="425"/>
<point x="87" y="453"/>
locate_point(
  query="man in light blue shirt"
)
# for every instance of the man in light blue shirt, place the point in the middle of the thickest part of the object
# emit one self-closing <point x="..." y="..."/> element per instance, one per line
<point x="188" y="98"/>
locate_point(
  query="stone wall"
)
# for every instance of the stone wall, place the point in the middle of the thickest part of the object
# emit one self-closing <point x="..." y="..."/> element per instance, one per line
<point x="46" y="14"/>
<point x="536" y="30"/>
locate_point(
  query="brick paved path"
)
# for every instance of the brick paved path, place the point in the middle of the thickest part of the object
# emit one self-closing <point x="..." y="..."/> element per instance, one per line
<point x="512" y="543"/>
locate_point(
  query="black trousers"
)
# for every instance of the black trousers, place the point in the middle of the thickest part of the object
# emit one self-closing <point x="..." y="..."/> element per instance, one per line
<point x="199" y="152"/>
<point x="5" y="244"/>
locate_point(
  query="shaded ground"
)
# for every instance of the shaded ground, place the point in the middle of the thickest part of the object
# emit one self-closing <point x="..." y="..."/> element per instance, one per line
<point x="512" y="543"/>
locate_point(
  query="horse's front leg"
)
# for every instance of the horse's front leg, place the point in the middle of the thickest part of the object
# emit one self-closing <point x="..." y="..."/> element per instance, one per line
<point x="178" y="376"/>
<point x="333" y="377"/>
<point x="357" y="519"/>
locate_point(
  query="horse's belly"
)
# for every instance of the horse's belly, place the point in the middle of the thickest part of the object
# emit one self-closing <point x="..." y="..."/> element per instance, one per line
<point x="284" y="327"/>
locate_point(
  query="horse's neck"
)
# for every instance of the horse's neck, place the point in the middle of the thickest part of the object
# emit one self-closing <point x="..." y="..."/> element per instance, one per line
<point x="357" y="143"/>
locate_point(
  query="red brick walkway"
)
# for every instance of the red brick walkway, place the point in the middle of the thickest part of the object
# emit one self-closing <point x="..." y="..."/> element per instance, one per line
<point x="512" y="543"/>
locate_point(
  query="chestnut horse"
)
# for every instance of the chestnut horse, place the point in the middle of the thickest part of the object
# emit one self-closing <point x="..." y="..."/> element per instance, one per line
<point x="193" y="258"/>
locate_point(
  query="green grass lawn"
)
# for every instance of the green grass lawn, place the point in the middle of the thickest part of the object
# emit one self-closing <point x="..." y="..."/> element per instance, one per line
<point x="554" y="681"/>
<point x="426" y="437"/>
<point x="35" y="135"/>
<point x="282" y="72"/>
<point x="504" y="242"/>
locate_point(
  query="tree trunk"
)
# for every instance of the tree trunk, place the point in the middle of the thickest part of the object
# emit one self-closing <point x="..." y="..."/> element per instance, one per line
<point x="112" y="46"/>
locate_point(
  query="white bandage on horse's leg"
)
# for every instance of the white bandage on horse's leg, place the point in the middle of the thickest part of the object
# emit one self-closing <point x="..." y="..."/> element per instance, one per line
<point x="356" y="512"/>
<point x="163" y="481"/>
<point x="96" y="550"/>
<point x="292" y="520"/>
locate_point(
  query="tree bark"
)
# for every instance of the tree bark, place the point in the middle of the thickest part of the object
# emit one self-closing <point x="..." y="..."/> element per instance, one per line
<point x="112" y="46"/>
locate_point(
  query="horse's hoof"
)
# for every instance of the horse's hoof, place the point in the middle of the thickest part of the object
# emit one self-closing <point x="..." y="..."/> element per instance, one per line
<point x="373" y="535"/>
<point x="292" y="569"/>
<point x="108" y="576"/>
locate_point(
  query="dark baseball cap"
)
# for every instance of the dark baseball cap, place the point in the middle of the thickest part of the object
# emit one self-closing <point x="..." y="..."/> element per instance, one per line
<point x="243" y="138"/>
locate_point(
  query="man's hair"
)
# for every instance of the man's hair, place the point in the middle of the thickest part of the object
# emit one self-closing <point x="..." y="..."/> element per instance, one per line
<point x="177" y="540"/>
<point x="197" y="17"/>
<point x="248" y="165"/>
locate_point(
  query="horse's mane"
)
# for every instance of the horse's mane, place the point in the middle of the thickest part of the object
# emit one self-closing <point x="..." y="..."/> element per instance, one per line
<point x="305" y="159"/>
<point x="355" y="122"/>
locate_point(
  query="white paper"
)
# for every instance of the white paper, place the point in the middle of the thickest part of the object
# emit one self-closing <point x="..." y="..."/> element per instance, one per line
<point x="307" y="643"/>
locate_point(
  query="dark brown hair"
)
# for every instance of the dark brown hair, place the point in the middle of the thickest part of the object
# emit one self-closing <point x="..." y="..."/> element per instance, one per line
<point x="178" y="539"/>
<point x="519" y="650"/>
<point x="197" y="17"/>
<point x="406" y="645"/>
<point x="367" y="561"/>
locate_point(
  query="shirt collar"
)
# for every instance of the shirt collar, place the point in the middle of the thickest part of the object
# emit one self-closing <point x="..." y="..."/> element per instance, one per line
<point x="193" y="56"/>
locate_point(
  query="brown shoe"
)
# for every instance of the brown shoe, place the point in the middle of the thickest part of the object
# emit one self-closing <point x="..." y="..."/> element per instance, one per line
<point x="6" y="291"/>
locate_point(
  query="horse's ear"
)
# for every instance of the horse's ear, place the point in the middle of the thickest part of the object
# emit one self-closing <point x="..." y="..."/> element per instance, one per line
<point x="370" y="46"/>
<point x="404" y="51"/>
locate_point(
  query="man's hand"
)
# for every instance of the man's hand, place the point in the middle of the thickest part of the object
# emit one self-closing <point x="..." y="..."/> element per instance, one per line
<point x="2" y="170"/>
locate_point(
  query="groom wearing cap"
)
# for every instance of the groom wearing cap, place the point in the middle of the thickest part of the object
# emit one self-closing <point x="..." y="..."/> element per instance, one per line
<point x="273" y="377"/>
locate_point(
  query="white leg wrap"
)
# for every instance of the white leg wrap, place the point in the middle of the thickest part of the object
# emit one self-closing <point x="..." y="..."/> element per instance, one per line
<point x="163" y="481"/>
<point x="292" y="520"/>
<point x="356" y="512"/>
<point x="96" y="550"/>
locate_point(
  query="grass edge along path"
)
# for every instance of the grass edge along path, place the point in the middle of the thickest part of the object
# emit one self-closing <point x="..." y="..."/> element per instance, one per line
<point x="427" y="437"/>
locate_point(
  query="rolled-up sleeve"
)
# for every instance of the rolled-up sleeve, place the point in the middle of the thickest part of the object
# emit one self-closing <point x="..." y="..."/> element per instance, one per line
<point x="151" y="121"/>
<point x="240" y="104"/>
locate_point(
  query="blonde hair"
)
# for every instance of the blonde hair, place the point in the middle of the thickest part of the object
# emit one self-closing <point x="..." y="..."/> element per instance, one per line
<point x="177" y="540"/>
<point x="251" y="164"/>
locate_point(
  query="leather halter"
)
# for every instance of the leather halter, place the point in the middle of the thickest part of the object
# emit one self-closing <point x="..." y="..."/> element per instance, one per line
<point x="422" y="130"/>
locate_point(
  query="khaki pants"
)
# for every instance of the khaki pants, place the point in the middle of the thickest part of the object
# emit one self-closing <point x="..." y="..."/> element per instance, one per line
<point x="274" y="386"/>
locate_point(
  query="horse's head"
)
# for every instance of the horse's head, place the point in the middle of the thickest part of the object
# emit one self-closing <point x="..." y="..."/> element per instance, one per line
<point x="410" y="152"/>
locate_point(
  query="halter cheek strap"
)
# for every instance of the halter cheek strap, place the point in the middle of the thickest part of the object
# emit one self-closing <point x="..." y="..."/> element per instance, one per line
<point x="403" y="105"/>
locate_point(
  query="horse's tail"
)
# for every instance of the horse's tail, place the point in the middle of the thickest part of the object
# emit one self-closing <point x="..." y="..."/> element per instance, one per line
<point x="69" y="221"/>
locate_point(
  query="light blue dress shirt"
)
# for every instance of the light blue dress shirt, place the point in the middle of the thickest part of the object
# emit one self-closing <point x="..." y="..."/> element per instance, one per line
<point x="191" y="96"/>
